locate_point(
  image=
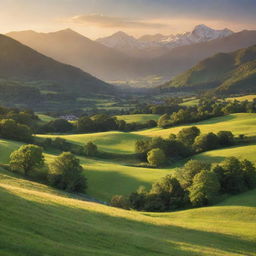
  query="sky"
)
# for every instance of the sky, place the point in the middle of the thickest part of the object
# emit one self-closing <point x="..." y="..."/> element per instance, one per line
<point x="99" y="18"/>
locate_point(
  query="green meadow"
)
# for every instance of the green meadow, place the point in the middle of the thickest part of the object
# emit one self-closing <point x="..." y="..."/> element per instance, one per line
<point x="124" y="142"/>
<point x="38" y="220"/>
<point x="138" y="118"/>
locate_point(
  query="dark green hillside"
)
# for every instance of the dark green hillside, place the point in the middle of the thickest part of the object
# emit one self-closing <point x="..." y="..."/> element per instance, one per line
<point x="225" y="72"/>
<point x="19" y="62"/>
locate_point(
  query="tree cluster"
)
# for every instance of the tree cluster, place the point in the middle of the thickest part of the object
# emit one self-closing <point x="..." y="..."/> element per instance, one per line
<point x="206" y="109"/>
<point x="197" y="184"/>
<point x="64" y="172"/>
<point x="187" y="142"/>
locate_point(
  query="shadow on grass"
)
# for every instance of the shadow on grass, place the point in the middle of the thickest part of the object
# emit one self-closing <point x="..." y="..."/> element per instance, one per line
<point x="49" y="228"/>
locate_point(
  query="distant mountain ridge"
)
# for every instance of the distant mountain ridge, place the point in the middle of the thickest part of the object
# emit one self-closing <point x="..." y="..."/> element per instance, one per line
<point x="19" y="62"/>
<point x="200" y="33"/>
<point x="224" y="72"/>
<point x="113" y="65"/>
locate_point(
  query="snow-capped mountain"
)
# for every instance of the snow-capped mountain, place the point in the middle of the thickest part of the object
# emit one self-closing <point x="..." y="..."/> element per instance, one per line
<point x="120" y="41"/>
<point x="127" y="43"/>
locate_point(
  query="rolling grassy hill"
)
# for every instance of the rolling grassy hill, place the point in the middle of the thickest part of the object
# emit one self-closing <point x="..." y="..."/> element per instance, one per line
<point x="37" y="220"/>
<point x="226" y="72"/>
<point x="139" y="118"/>
<point x="124" y="142"/>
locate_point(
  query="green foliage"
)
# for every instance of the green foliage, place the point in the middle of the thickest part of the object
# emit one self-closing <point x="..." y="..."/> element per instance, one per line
<point x="9" y="129"/>
<point x="156" y="157"/>
<point x="27" y="159"/>
<point x="90" y="149"/>
<point x="66" y="173"/>
<point x="163" y="121"/>
<point x="120" y="202"/>
<point x="206" y="142"/>
<point x="187" y="135"/>
<point x="235" y="176"/>
<point x="190" y="170"/>
<point x="226" y="138"/>
<point x="57" y="125"/>
<point x="204" y="189"/>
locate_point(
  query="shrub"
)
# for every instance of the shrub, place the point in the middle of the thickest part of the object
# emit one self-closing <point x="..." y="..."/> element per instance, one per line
<point x="120" y="202"/>
<point x="156" y="157"/>
<point x="90" y="149"/>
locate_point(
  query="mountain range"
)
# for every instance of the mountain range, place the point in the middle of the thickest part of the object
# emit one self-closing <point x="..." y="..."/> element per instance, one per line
<point x="127" y="43"/>
<point x="21" y="63"/>
<point x="112" y="64"/>
<point x="224" y="73"/>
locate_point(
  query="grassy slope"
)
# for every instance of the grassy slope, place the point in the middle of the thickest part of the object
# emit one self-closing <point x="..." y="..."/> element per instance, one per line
<point x="242" y="123"/>
<point x="140" y="118"/>
<point x="123" y="142"/>
<point x="242" y="98"/>
<point x="37" y="220"/>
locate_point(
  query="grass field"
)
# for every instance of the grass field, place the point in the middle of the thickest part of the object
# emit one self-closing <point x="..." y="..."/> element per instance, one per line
<point x="138" y="118"/>
<point x="45" y="118"/>
<point x="190" y="103"/>
<point x="242" y="98"/>
<point x="124" y="142"/>
<point x="107" y="178"/>
<point x="242" y="123"/>
<point x="37" y="220"/>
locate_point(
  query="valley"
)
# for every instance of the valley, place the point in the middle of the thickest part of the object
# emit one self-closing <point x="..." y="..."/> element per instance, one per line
<point x="128" y="128"/>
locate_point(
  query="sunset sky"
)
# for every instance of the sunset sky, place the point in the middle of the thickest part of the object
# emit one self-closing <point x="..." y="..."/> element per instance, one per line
<point x="97" y="18"/>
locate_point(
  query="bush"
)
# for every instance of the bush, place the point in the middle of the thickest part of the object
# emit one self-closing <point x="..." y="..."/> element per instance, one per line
<point x="156" y="157"/>
<point x="90" y="149"/>
<point x="66" y="173"/>
<point x="120" y="202"/>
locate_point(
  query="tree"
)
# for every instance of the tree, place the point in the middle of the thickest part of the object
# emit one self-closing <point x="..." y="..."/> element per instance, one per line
<point x="232" y="176"/>
<point x="187" y="135"/>
<point x="226" y="138"/>
<point x="204" y="189"/>
<point x="249" y="173"/>
<point x="90" y="149"/>
<point x="206" y="142"/>
<point x="26" y="159"/>
<point x="190" y="169"/>
<point x="85" y="124"/>
<point x="169" y="192"/>
<point x="9" y="129"/>
<point x="163" y="121"/>
<point x="58" y="125"/>
<point x="66" y="173"/>
<point x="156" y="157"/>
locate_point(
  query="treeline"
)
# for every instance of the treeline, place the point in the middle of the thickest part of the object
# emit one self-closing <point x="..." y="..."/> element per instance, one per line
<point x="95" y="123"/>
<point x="196" y="184"/>
<point x="206" y="109"/>
<point x="17" y="124"/>
<point x="64" y="172"/>
<point x="187" y="142"/>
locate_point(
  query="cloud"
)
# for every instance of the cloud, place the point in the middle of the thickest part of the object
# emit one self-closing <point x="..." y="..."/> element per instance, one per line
<point x="114" y="22"/>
